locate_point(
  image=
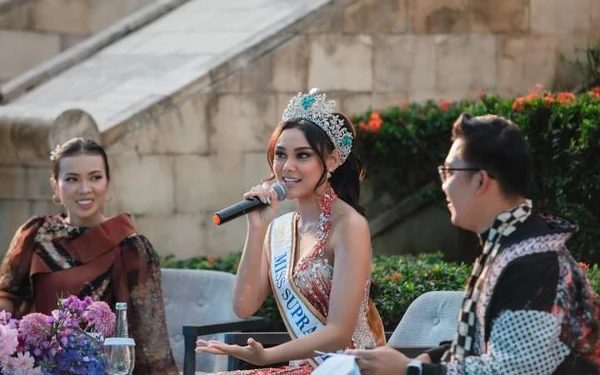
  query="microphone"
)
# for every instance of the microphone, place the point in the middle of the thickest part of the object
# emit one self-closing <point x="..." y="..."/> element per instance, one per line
<point x="245" y="206"/>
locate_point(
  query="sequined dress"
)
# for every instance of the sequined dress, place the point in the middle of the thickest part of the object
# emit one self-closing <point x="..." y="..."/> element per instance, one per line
<point x="314" y="278"/>
<point x="313" y="275"/>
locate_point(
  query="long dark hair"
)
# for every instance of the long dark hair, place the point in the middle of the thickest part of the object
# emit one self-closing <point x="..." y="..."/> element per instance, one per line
<point x="74" y="147"/>
<point x="345" y="180"/>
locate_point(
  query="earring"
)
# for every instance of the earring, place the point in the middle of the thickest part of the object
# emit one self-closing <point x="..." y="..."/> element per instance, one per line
<point x="329" y="173"/>
<point x="56" y="200"/>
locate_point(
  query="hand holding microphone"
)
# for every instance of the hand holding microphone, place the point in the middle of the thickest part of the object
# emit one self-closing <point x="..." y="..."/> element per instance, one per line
<point x="260" y="196"/>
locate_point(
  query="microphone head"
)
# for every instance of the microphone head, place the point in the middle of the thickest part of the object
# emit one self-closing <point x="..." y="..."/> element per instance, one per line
<point x="280" y="190"/>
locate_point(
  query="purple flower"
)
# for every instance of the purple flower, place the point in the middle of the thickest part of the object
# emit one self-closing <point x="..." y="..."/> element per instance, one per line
<point x="63" y="343"/>
<point x="23" y="363"/>
<point x="5" y="317"/>
<point x="8" y="342"/>
<point x="100" y="317"/>
<point x="35" y="328"/>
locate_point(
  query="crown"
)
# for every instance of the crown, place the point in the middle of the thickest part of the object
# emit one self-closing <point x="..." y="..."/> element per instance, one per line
<point x="315" y="108"/>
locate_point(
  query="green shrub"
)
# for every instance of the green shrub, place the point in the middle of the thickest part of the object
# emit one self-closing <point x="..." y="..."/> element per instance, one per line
<point x="400" y="280"/>
<point x="401" y="147"/>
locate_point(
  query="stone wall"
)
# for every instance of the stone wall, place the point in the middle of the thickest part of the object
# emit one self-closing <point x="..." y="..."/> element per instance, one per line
<point x="201" y="149"/>
<point x="33" y="31"/>
<point x="186" y="156"/>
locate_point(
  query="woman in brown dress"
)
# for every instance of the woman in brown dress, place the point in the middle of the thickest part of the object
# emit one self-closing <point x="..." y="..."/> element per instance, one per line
<point x="84" y="253"/>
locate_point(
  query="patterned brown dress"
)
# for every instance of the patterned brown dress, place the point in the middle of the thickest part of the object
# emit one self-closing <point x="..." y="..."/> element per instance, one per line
<point x="110" y="262"/>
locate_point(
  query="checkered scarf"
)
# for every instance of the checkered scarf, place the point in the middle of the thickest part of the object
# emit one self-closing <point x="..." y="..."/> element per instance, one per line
<point x="504" y="225"/>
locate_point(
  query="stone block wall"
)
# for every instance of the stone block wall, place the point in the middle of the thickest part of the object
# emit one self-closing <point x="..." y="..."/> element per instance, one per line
<point x="33" y="31"/>
<point x="200" y="151"/>
<point x="178" y="161"/>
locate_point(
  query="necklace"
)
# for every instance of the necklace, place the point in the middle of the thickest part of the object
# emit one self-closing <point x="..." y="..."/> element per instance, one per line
<point x="323" y="230"/>
<point x="308" y="228"/>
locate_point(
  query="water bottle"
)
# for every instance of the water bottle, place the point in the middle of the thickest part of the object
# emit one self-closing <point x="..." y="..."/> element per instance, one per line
<point x="121" y="329"/>
<point x="120" y="349"/>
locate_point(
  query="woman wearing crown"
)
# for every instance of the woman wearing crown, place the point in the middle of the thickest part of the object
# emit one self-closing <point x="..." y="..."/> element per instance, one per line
<point x="316" y="260"/>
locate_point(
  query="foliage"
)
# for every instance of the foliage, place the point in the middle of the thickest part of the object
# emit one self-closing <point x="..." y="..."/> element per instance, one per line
<point x="405" y="144"/>
<point x="399" y="279"/>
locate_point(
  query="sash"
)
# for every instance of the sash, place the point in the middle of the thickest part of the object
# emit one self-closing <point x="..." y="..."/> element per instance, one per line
<point x="299" y="316"/>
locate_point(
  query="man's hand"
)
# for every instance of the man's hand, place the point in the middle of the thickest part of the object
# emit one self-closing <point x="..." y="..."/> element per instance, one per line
<point x="424" y="357"/>
<point x="383" y="360"/>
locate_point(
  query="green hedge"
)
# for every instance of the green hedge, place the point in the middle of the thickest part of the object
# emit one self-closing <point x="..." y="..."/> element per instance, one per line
<point x="400" y="279"/>
<point x="401" y="147"/>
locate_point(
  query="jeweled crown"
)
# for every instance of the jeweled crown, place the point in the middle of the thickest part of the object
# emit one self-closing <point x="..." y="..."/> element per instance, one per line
<point x="315" y="108"/>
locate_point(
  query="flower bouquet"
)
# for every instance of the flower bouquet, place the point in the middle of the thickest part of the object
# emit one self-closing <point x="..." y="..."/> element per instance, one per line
<point x="69" y="341"/>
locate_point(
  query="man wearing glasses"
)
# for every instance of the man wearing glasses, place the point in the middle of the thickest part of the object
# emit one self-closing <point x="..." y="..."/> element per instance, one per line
<point x="528" y="307"/>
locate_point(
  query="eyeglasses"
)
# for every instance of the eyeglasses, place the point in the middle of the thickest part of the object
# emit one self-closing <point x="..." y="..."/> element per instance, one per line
<point x="446" y="172"/>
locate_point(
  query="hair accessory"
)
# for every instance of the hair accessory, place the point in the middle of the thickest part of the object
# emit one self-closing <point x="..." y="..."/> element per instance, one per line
<point x="54" y="153"/>
<point x="315" y="108"/>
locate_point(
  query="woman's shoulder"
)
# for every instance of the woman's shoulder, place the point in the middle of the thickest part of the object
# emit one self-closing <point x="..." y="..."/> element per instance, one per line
<point x="347" y="218"/>
<point x="138" y="248"/>
<point x="136" y="240"/>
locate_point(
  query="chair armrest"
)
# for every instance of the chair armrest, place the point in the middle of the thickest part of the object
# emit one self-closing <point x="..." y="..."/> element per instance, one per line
<point x="253" y="322"/>
<point x="412" y="351"/>
<point x="191" y="333"/>
<point x="267" y="339"/>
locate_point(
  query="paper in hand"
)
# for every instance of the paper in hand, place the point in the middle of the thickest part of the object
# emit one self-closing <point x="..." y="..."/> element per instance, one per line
<point x="338" y="364"/>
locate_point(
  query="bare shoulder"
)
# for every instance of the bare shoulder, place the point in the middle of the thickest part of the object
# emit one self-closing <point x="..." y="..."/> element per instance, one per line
<point x="348" y="222"/>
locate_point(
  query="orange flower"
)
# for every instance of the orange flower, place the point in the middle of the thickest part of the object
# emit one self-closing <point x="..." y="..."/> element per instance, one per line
<point x="444" y="105"/>
<point x="212" y="260"/>
<point x="548" y="99"/>
<point x="531" y="96"/>
<point x="518" y="104"/>
<point x="375" y="122"/>
<point x="565" y="97"/>
<point x="584" y="266"/>
<point x="595" y="92"/>
<point x="395" y="276"/>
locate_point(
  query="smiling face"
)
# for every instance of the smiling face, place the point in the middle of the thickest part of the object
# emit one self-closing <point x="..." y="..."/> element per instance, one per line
<point x="297" y="165"/>
<point x="82" y="185"/>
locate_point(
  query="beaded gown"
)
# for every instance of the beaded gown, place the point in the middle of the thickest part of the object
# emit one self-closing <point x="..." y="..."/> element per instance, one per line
<point x="313" y="276"/>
